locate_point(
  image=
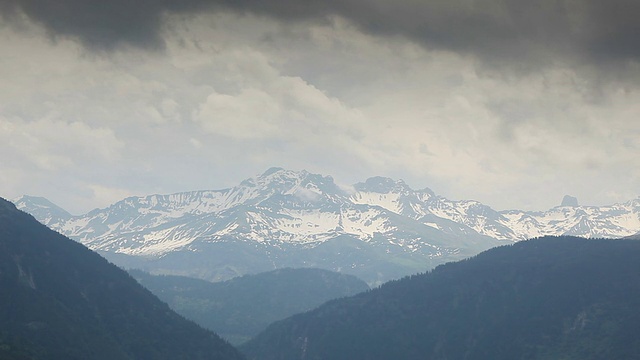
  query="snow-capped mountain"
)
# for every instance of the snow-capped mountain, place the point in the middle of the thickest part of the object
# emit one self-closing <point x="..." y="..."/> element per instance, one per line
<point x="614" y="221"/>
<point x="379" y="229"/>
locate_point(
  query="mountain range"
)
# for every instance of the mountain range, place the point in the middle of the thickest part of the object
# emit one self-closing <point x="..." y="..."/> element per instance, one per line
<point x="378" y="230"/>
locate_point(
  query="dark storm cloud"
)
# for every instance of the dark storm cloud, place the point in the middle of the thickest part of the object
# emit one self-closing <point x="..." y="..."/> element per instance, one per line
<point x="535" y="31"/>
<point x="99" y="24"/>
<point x="615" y="29"/>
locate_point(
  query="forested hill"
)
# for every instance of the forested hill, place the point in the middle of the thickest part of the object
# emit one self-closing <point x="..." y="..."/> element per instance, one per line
<point x="59" y="300"/>
<point x="240" y="308"/>
<point x="547" y="298"/>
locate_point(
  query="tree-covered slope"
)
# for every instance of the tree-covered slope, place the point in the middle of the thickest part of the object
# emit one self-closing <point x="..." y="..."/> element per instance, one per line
<point x="59" y="300"/>
<point x="547" y="298"/>
<point x="240" y="308"/>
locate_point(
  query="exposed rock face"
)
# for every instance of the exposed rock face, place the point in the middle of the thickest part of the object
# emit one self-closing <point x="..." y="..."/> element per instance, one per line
<point x="569" y="200"/>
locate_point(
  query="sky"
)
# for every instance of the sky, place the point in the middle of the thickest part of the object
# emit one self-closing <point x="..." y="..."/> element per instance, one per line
<point x="513" y="103"/>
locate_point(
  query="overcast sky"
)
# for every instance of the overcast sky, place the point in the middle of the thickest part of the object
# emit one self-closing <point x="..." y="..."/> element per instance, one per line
<point x="513" y="103"/>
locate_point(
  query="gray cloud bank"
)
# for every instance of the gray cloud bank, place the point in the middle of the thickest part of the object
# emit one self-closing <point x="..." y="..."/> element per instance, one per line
<point x="594" y="31"/>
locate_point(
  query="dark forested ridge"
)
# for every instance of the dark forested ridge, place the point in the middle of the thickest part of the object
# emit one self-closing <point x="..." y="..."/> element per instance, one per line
<point x="59" y="300"/>
<point x="547" y="298"/>
<point x="240" y="308"/>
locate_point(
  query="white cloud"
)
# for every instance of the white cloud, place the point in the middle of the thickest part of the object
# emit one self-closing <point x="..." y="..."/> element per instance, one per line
<point x="252" y="114"/>
<point x="56" y="145"/>
<point x="105" y="195"/>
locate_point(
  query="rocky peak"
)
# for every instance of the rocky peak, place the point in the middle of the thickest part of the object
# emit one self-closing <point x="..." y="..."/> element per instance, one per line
<point x="382" y="185"/>
<point x="569" y="201"/>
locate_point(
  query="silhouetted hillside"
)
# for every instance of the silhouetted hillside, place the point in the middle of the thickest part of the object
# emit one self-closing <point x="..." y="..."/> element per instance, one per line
<point x="240" y="308"/>
<point x="548" y="298"/>
<point x="59" y="300"/>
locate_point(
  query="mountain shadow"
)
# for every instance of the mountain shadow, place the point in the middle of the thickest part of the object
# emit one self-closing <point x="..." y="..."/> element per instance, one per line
<point x="59" y="300"/>
<point x="547" y="298"/>
<point x="240" y="308"/>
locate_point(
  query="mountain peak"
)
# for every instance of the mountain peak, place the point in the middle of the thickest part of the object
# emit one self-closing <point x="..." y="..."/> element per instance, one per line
<point x="272" y="170"/>
<point x="41" y="207"/>
<point x="381" y="185"/>
<point x="285" y="181"/>
<point x="569" y="201"/>
<point x="277" y="175"/>
<point x="35" y="200"/>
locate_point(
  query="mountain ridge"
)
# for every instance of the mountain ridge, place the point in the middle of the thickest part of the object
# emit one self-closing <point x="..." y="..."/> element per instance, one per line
<point x="545" y="298"/>
<point x="60" y="300"/>
<point x="283" y="209"/>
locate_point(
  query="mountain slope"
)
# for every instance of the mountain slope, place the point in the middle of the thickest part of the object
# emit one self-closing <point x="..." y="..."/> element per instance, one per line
<point x="547" y="298"/>
<point x="378" y="230"/>
<point x="240" y="308"/>
<point x="60" y="300"/>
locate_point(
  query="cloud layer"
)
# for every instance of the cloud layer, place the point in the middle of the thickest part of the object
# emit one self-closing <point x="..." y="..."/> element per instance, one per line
<point x="508" y="103"/>
<point x="595" y="30"/>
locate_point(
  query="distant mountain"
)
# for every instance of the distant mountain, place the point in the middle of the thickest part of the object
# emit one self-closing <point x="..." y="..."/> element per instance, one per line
<point x="569" y="200"/>
<point x="548" y="298"/>
<point x="240" y="308"/>
<point x="59" y="300"/>
<point x="44" y="210"/>
<point x="378" y="230"/>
